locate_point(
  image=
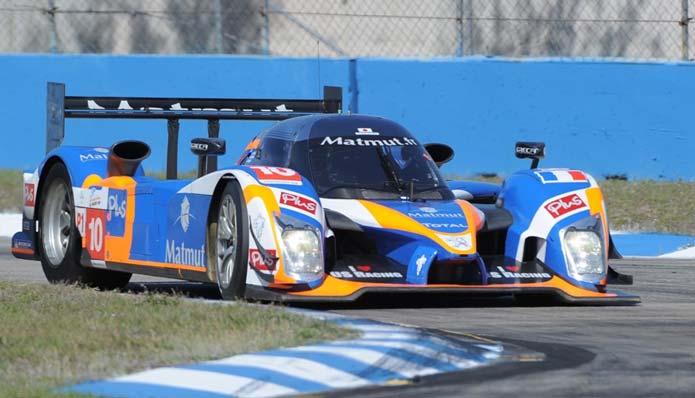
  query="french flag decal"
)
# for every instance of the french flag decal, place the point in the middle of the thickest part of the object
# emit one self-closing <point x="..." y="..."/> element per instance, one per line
<point x="552" y="176"/>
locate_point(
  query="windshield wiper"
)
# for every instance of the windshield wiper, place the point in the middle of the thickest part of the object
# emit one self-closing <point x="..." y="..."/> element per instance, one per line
<point x="388" y="168"/>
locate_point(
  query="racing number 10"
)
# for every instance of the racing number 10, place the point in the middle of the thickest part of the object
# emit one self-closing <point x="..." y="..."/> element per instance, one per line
<point x="94" y="239"/>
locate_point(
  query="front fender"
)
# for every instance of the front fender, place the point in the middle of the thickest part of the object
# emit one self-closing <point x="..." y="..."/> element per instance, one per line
<point x="543" y="204"/>
<point x="269" y="192"/>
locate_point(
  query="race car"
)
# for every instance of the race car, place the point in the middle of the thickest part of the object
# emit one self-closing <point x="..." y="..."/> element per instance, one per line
<point x="321" y="206"/>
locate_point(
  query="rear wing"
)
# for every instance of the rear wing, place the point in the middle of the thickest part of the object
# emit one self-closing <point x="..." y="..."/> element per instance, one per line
<point x="59" y="107"/>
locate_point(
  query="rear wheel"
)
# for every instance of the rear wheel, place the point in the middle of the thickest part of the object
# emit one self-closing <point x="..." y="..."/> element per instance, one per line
<point x="60" y="244"/>
<point x="228" y="241"/>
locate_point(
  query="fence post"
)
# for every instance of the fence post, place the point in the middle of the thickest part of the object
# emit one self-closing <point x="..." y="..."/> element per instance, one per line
<point x="265" y="32"/>
<point x="53" y="34"/>
<point x="685" y="20"/>
<point x="459" y="28"/>
<point x="217" y="8"/>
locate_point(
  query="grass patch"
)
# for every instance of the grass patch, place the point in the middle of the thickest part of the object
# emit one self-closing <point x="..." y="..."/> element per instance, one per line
<point x="11" y="187"/>
<point x="56" y="335"/>
<point x="650" y="205"/>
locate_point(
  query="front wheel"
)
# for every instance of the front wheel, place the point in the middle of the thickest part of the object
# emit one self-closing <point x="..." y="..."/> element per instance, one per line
<point x="60" y="244"/>
<point x="228" y="241"/>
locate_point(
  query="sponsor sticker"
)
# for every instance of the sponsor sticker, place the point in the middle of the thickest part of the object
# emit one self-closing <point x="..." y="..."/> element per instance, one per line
<point x="295" y="201"/>
<point x="421" y="214"/>
<point x="365" y="131"/>
<point x="93" y="156"/>
<point x="502" y="273"/>
<point x="277" y="175"/>
<point x="560" y="176"/>
<point x="185" y="216"/>
<point x="95" y="225"/>
<point x="420" y="262"/>
<point x="81" y="219"/>
<point x="115" y="215"/>
<point x="185" y="237"/>
<point x="23" y="244"/>
<point x="263" y="264"/>
<point x="29" y="195"/>
<point x="394" y="141"/>
<point x="180" y="253"/>
<point x="94" y="197"/>
<point x="524" y="150"/>
<point x="564" y="205"/>
<point x="354" y="272"/>
<point x="445" y="225"/>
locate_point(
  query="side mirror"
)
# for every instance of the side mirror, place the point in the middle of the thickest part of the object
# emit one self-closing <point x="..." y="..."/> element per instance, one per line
<point x="440" y="153"/>
<point x="530" y="150"/>
<point x="204" y="147"/>
<point x="208" y="146"/>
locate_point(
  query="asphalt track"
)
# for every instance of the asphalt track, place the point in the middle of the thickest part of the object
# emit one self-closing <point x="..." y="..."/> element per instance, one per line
<point x="647" y="350"/>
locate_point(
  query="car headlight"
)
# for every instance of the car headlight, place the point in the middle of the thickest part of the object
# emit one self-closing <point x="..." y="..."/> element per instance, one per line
<point x="584" y="253"/>
<point x="302" y="251"/>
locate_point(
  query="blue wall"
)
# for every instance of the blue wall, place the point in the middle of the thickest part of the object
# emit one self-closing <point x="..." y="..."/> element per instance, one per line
<point x="602" y="117"/>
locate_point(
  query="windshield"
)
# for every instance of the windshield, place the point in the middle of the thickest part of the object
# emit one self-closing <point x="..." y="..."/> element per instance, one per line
<point x="393" y="168"/>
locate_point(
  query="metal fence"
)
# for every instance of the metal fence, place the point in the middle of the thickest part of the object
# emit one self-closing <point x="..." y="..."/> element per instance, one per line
<point x="633" y="29"/>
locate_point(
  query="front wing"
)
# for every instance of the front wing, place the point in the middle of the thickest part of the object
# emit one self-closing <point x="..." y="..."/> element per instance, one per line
<point x="338" y="290"/>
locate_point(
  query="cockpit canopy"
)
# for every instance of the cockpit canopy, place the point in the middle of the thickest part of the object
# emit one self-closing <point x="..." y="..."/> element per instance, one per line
<point x="351" y="156"/>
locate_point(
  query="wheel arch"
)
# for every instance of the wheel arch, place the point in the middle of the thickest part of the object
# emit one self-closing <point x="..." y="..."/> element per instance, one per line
<point x="45" y="168"/>
<point x="210" y="220"/>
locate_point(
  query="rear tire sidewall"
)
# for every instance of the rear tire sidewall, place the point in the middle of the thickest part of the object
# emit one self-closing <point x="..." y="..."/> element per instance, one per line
<point x="237" y="284"/>
<point x="69" y="270"/>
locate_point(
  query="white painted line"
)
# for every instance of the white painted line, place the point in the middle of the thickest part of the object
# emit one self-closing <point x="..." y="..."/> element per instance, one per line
<point x="413" y="348"/>
<point x="688" y="253"/>
<point x="297" y="367"/>
<point x="369" y="357"/>
<point x="206" y="381"/>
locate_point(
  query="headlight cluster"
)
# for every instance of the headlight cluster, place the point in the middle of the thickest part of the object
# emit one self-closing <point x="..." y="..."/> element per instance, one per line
<point x="584" y="252"/>
<point x="302" y="251"/>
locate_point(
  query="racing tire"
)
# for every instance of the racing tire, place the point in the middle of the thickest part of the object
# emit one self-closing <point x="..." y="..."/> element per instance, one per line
<point x="228" y="241"/>
<point x="60" y="243"/>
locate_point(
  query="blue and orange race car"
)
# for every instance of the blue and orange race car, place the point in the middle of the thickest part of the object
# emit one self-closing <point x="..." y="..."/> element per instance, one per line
<point x="321" y="206"/>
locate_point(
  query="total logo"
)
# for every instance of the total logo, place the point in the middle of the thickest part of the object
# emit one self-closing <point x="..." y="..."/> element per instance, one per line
<point x="445" y="225"/>
<point x="297" y="202"/>
<point x="564" y="205"/>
